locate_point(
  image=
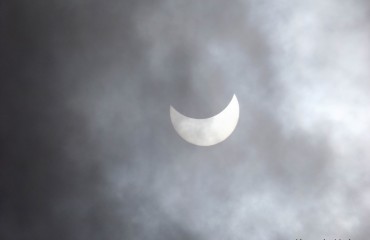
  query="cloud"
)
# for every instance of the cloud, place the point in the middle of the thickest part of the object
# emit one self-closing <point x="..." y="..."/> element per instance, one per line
<point x="91" y="152"/>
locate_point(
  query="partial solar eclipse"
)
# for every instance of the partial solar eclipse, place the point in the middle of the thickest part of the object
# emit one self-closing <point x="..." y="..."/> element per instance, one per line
<point x="207" y="131"/>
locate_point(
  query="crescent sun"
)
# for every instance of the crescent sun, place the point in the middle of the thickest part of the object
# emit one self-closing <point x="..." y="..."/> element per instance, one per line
<point x="207" y="131"/>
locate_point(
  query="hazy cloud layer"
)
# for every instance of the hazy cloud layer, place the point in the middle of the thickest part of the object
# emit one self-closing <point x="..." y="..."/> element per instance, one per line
<point x="90" y="152"/>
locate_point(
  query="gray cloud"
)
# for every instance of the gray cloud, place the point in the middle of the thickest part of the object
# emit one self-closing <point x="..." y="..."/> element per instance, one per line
<point x="90" y="152"/>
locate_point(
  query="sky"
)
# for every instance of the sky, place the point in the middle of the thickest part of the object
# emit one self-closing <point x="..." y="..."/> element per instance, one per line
<point x="89" y="151"/>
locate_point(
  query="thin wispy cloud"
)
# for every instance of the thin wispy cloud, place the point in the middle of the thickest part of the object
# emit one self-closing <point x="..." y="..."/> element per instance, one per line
<point x="90" y="151"/>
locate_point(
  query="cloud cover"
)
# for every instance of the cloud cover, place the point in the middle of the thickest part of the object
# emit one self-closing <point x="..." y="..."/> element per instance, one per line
<point x="90" y="152"/>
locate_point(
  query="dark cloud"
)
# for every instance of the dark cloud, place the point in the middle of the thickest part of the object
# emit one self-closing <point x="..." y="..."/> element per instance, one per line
<point x="88" y="147"/>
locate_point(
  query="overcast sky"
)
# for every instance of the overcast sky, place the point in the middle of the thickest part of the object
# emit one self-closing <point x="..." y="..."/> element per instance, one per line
<point x="89" y="151"/>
